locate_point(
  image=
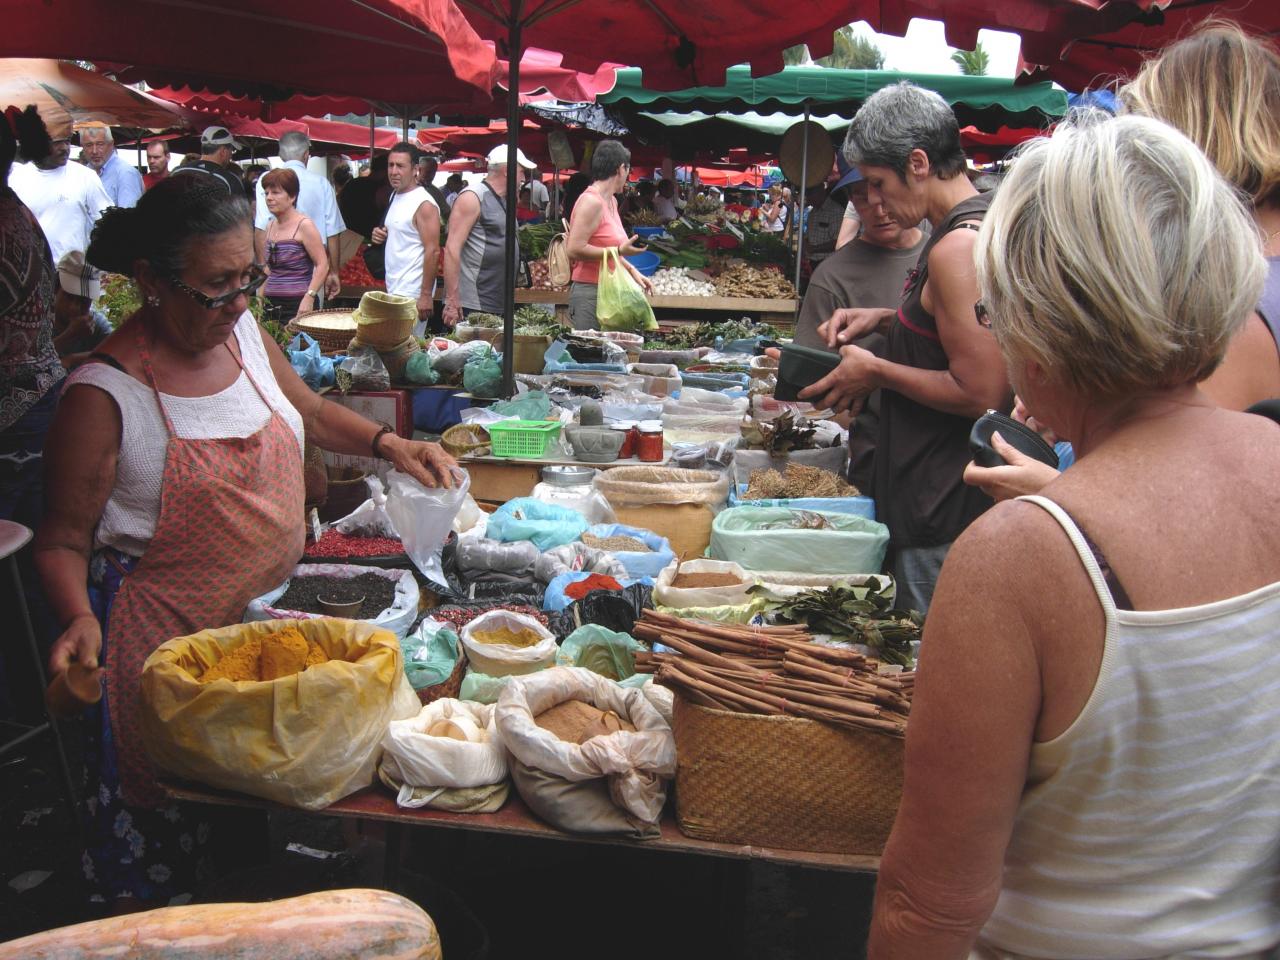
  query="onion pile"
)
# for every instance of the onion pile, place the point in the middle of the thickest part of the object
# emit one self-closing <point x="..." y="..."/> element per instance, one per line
<point x="676" y="282"/>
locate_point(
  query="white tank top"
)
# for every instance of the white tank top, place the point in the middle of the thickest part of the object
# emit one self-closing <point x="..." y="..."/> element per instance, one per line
<point x="1151" y="827"/>
<point x="404" y="244"/>
<point x="129" y="518"/>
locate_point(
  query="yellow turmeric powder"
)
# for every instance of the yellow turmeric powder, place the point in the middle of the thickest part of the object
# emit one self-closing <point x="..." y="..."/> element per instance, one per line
<point x="276" y="655"/>
<point x="525" y="637"/>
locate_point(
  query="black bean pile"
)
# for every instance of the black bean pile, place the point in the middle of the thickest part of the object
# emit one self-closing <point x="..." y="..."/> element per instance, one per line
<point x="304" y="593"/>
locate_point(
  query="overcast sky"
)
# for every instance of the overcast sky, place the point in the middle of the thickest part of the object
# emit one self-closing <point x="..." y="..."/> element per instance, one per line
<point x="924" y="49"/>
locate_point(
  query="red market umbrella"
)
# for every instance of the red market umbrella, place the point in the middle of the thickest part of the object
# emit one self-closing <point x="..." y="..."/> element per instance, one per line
<point x="420" y="50"/>
<point x="66" y="94"/>
<point x="1094" y="54"/>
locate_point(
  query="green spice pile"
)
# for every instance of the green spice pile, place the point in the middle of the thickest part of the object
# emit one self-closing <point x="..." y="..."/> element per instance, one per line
<point x="871" y="620"/>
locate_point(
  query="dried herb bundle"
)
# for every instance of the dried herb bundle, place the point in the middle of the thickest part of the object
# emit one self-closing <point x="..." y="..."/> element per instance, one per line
<point x="871" y="620"/>
<point x="784" y="433"/>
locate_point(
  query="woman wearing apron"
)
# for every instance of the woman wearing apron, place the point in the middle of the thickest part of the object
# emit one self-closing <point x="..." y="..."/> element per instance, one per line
<point x="175" y="496"/>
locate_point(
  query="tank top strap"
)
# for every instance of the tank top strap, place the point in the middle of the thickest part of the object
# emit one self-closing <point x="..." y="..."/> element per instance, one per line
<point x="253" y="381"/>
<point x="1104" y="583"/>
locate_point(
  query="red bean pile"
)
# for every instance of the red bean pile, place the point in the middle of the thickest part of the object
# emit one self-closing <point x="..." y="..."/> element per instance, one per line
<point x="335" y="544"/>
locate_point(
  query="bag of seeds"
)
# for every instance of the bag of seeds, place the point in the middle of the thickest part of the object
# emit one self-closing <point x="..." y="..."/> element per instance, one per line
<point x="642" y="552"/>
<point x="612" y="782"/>
<point x="390" y="596"/>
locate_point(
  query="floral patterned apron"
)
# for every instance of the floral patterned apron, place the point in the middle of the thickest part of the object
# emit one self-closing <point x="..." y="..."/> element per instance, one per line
<point x="230" y="528"/>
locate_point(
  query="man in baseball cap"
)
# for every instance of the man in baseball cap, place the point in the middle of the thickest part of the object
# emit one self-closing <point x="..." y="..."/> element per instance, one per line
<point x="216" y="147"/>
<point x="78" y="326"/>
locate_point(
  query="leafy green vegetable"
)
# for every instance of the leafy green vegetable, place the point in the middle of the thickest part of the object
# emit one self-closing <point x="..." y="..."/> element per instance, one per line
<point x="870" y="620"/>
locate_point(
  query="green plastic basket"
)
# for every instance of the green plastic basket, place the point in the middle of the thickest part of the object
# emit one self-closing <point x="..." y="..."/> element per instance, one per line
<point x="523" y="439"/>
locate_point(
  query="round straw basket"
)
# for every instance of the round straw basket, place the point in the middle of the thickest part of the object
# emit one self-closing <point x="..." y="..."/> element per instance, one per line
<point x="332" y="329"/>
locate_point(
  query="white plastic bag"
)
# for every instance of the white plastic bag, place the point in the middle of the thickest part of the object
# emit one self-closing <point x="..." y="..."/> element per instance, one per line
<point x="397" y="618"/>
<point x="424" y="516"/>
<point x="682" y="597"/>
<point x="469" y="516"/>
<point x="575" y="557"/>
<point x="636" y="764"/>
<point x="583" y="497"/>
<point x="370" y="518"/>
<point x="455" y="357"/>
<point x="500" y="659"/>
<point x="415" y="758"/>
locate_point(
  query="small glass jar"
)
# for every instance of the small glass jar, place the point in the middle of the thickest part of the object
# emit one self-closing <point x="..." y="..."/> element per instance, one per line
<point x="629" y="434"/>
<point x="649" y="444"/>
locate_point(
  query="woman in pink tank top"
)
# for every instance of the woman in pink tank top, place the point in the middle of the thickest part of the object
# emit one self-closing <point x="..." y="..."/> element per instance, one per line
<point x="595" y="227"/>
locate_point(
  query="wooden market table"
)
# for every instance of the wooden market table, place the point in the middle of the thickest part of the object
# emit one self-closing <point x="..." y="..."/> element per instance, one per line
<point x="775" y="311"/>
<point x="515" y="820"/>
<point x="496" y="480"/>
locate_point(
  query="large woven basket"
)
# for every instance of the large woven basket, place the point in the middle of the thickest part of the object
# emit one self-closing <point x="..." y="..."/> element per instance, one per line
<point x="332" y="329"/>
<point x="784" y="782"/>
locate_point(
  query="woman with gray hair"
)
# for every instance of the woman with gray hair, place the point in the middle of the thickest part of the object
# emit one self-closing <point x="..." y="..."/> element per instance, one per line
<point x="1091" y="760"/>
<point x="940" y="370"/>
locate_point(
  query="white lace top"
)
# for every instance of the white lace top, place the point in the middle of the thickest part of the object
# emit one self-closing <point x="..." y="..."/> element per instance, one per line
<point x="129" y="518"/>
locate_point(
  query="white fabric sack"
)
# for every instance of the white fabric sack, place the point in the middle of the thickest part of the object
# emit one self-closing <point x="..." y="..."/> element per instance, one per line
<point x="424" y="516"/>
<point x="397" y="618"/>
<point x="575" y="557"/>
<point x="637" y="764"/>
<point x="783" y="585"/>
<point x="417" y="759"/>
<point x="681" y="597"/>
<point x="500" y="659"/>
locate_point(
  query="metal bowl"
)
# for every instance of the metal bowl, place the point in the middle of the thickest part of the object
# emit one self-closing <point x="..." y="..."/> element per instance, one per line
<point x="345" y="610"/>
<point x="567" y="476"/>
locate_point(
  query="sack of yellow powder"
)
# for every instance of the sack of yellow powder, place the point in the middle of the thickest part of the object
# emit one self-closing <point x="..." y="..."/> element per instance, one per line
<point x="306" y="738"/>
<point x="504" y="644"/>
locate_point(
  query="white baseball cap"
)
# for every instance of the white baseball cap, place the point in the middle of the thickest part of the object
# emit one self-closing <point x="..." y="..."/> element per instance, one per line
<point x="498" y="155"/>
<point x="77" y="277"/>
<point x="219" y="137"/>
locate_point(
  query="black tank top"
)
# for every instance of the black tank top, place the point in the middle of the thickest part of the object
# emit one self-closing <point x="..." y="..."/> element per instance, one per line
<point x="922" y="452"/>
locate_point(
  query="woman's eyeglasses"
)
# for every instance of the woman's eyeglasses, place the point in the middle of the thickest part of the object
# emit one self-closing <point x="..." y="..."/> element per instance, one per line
<point x="257" y="277"/>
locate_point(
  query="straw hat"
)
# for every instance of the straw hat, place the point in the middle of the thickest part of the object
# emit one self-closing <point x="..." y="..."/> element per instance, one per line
<point x="791" y="154"/>
<point x="378" y="307"/>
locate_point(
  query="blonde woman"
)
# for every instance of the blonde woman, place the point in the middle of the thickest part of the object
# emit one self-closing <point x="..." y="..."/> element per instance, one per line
<point x="1221" y="87"/>
<point x="1091" y="760"/>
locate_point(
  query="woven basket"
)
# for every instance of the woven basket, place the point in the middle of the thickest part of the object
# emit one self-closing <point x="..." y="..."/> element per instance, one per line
<point x="451" y="687"/>
<point x="332" y="329"/>
<point x="784" y="782"/>
<point x="384" y="320"/>
<point x="466" y="440"/>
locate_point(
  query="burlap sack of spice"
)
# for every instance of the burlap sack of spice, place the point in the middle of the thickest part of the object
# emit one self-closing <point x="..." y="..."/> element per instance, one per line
<point x="304" y="740"/>
<point x="633" y="768"/>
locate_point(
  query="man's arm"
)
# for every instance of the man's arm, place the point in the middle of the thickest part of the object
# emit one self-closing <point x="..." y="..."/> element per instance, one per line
<point x="466" y="210"/>
<point x="427" y="221"/>
<point x="333" y="228"/>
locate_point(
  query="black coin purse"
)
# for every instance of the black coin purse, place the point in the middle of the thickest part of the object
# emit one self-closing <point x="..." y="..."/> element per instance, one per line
<point x="799" y="367"/>
<point x="1018" y="435"/>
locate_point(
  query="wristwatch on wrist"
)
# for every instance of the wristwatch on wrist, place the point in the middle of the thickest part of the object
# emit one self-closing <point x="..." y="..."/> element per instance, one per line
<point x="311" y="294"/>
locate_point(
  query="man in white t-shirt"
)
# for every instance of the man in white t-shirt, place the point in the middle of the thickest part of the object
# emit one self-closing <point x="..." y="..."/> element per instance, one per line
<point x="316" y="200"/>
<point x="67" y="198"/>
<point x="411" y="232"/>
<point x="664" y="201"/>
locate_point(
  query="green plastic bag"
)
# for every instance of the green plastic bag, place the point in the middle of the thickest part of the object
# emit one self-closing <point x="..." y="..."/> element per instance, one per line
<point x="481" y="687"/>
<point x="534" y="405"/>
<point x="798" y="541"/>
<point x="745" y="613"/>
<point x="420" y="371"/>
<point x="603" y="651"/>
<point x="620" y="302"/>
<point x="430" y="654"/>
<point x="482" y="376"/>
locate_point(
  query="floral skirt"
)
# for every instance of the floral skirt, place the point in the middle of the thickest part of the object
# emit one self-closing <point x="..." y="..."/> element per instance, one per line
<point x="150" y="854"/>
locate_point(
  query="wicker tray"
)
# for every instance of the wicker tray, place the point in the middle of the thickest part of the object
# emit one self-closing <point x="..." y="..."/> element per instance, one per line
<point x="452" y="684"/>
<point x="332" y="329"/>
<point x="784" y="782"/>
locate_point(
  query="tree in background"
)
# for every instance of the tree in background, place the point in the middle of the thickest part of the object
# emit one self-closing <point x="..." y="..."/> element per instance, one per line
<point x="849" y="51"/>
<point x="972" y="63"/>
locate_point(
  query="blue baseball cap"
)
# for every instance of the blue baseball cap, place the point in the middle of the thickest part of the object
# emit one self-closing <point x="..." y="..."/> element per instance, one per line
<point x="848" y="173"/>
